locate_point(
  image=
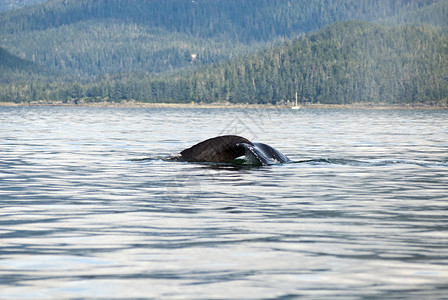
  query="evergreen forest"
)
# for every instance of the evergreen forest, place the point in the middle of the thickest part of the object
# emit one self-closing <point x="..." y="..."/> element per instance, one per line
<point x="15" y="4"/>
<point x="233" y="51"/>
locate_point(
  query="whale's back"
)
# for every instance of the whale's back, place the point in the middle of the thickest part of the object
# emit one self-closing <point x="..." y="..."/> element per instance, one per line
<point x="220" y="149"/>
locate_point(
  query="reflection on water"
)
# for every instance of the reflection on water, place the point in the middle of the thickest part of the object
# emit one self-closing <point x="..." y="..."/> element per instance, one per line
<point x="362" y="211"/>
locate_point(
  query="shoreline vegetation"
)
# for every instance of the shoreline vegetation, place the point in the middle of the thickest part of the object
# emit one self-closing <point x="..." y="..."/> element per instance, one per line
<point x="134" y="104"/>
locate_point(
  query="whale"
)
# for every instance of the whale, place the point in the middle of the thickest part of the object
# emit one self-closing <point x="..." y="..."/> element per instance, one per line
<point x="233" y="149"/>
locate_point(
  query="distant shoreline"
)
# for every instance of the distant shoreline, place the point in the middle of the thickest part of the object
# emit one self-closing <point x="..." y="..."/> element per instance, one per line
<point x="131" y="104"/>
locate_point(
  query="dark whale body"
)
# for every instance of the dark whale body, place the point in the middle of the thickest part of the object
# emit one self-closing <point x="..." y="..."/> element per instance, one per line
<point x="227" y="148"/>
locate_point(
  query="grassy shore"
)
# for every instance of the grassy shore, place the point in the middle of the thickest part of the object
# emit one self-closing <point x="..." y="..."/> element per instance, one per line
<point x="435" y="105"/>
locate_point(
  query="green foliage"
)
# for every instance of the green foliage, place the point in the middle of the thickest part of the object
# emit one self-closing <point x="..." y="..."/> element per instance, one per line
<point x="203" y="51"/>
<point x="435" y="14"/>
<point x="343" y="63"/>
<point x="88" y="38"/>
<point x="15" y="69"/>
<point x="111" y="48"/>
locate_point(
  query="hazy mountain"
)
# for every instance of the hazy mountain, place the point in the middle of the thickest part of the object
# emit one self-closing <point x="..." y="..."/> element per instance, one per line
<point x="348" y="62"/>
<point x="343" y="63"/>
<point x="14" y="4"/>
<point x="434" y="14"/>
<point x="86" y="38"/>
<point x="209" y="50"/>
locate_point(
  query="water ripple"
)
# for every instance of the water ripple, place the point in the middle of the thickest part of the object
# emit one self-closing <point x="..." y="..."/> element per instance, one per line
<point x="91" y="208"/>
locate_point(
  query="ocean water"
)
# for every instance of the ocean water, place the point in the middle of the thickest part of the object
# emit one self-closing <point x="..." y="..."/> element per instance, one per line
<point x="89" y="208"/>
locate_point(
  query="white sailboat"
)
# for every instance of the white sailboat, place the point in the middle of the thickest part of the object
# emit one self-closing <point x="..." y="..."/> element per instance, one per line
<point x="296" y="106"/>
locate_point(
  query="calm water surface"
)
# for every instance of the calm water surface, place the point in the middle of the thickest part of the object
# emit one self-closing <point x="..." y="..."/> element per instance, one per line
<point x="89" y="208"/>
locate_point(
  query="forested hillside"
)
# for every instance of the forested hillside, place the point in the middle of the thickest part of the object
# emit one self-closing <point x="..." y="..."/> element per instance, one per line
<point x="87" y="38"/>
<point x="15" y="69"/>
<point x="15" y="4"/>
<point x="245" y="51"/>
<point x="435" y="14"/>
<point x="343" y="63"/>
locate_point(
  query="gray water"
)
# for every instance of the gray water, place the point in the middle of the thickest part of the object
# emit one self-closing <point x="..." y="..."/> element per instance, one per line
<point x="90" y="209"/>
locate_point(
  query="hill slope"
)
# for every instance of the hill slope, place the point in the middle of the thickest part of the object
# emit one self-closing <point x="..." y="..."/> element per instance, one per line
<point x="16" y="69"/>
<point x="15" y="4"/>
<point x="343" y="63"/>
<point x="434" y="14"/>
<point x="348" y="62"/>
<point x="87" y="38"/>
<point x="183" y="50"/>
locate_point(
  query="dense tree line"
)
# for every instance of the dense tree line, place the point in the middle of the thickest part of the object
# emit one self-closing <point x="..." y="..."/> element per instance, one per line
<point x="343" y="63"/>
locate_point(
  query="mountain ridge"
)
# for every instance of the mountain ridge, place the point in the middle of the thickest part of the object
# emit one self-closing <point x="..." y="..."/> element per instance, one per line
<point x="75" y="36"/>
<point x="343" y="63"/>
<point x="153" y="50"/>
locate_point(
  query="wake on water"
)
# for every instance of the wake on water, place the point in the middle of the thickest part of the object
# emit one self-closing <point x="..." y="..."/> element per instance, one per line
<point x="242" y="162"/>
<point x="375" y="163"/>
